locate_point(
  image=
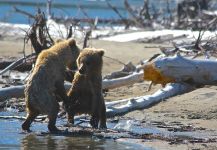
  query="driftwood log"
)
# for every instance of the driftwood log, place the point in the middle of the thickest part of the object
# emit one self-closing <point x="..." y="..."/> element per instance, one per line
<point x="119" y="82"/>
<point x="147" y="100"/>
<point x="181" y="70"/>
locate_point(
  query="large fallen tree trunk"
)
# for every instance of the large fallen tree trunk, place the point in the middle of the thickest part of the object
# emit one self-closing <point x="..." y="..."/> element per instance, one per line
<point x="118" y="82"/>
<point x="146" y="101"/>
<point x="10" y="92"/>
<point x="179" y="69"/>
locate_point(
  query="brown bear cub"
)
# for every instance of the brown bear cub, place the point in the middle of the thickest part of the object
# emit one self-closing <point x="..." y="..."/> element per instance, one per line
<point x="85" y="95"/>
<point x="46" y="82"/>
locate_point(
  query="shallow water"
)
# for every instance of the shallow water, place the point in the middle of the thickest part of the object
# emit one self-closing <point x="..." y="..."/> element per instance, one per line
<point x="11" y="137"/>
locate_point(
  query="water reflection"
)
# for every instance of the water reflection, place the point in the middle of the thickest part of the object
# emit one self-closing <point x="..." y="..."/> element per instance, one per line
<point x="12" y="138"/>
<point x="32" y="141"/>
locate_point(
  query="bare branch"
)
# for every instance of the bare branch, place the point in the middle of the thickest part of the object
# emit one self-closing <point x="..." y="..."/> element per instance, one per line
<point x="16" y="63"/>
<point x="23" y="12"/>
<point x="70" y="32"/>
<point x="115" y="60"/>
<point x="136" y="19"/>
<point x="119" y="14"/>
<point x="86" y="38"/>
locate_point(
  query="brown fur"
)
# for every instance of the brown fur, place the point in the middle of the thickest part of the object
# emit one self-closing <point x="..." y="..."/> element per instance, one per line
<point x="86" y="92"/>
<point x="47" y="81"/>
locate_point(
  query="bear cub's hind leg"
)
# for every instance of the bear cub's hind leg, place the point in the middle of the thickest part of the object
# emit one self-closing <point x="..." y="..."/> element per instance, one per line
<point x="30" y="118"/>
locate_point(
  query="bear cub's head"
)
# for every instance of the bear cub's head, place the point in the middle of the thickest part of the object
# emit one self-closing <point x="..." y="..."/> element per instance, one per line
<point x="70" y="44"/>
<point x="75" y="53"/>
<point x="90" y="61"/>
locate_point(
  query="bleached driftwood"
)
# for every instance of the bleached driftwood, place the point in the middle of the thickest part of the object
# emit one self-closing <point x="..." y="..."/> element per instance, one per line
<point x="161" y="38"/>
<point x="128" y="80"/>
<point x="179" y="69"/>
<point x="125" y="71"/>
<point x="39" y="118"/>
<point x="10" y="92"/>
<point x="146" y="101"/>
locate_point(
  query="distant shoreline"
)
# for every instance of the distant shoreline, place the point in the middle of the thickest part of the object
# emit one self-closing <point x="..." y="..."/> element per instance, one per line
<point x="89" y="4"/>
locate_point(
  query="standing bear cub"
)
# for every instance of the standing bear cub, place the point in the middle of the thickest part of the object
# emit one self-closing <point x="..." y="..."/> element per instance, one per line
<point x="85" y="95"/>
<point x="47" y="82"/>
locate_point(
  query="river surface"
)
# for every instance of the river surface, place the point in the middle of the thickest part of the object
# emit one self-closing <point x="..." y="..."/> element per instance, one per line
<point x="74" y="8"/>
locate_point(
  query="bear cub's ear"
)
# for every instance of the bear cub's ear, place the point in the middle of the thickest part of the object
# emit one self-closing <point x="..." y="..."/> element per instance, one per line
<point x="101" y="52"/>
<point x="72" y="42"/>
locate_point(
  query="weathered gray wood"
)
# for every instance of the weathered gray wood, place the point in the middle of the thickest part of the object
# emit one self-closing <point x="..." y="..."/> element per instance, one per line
<point x="10" y="92"/>
<point x="180" y="69"/>
<point x="147" y="100"/>
<point x="128" y="80"/>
